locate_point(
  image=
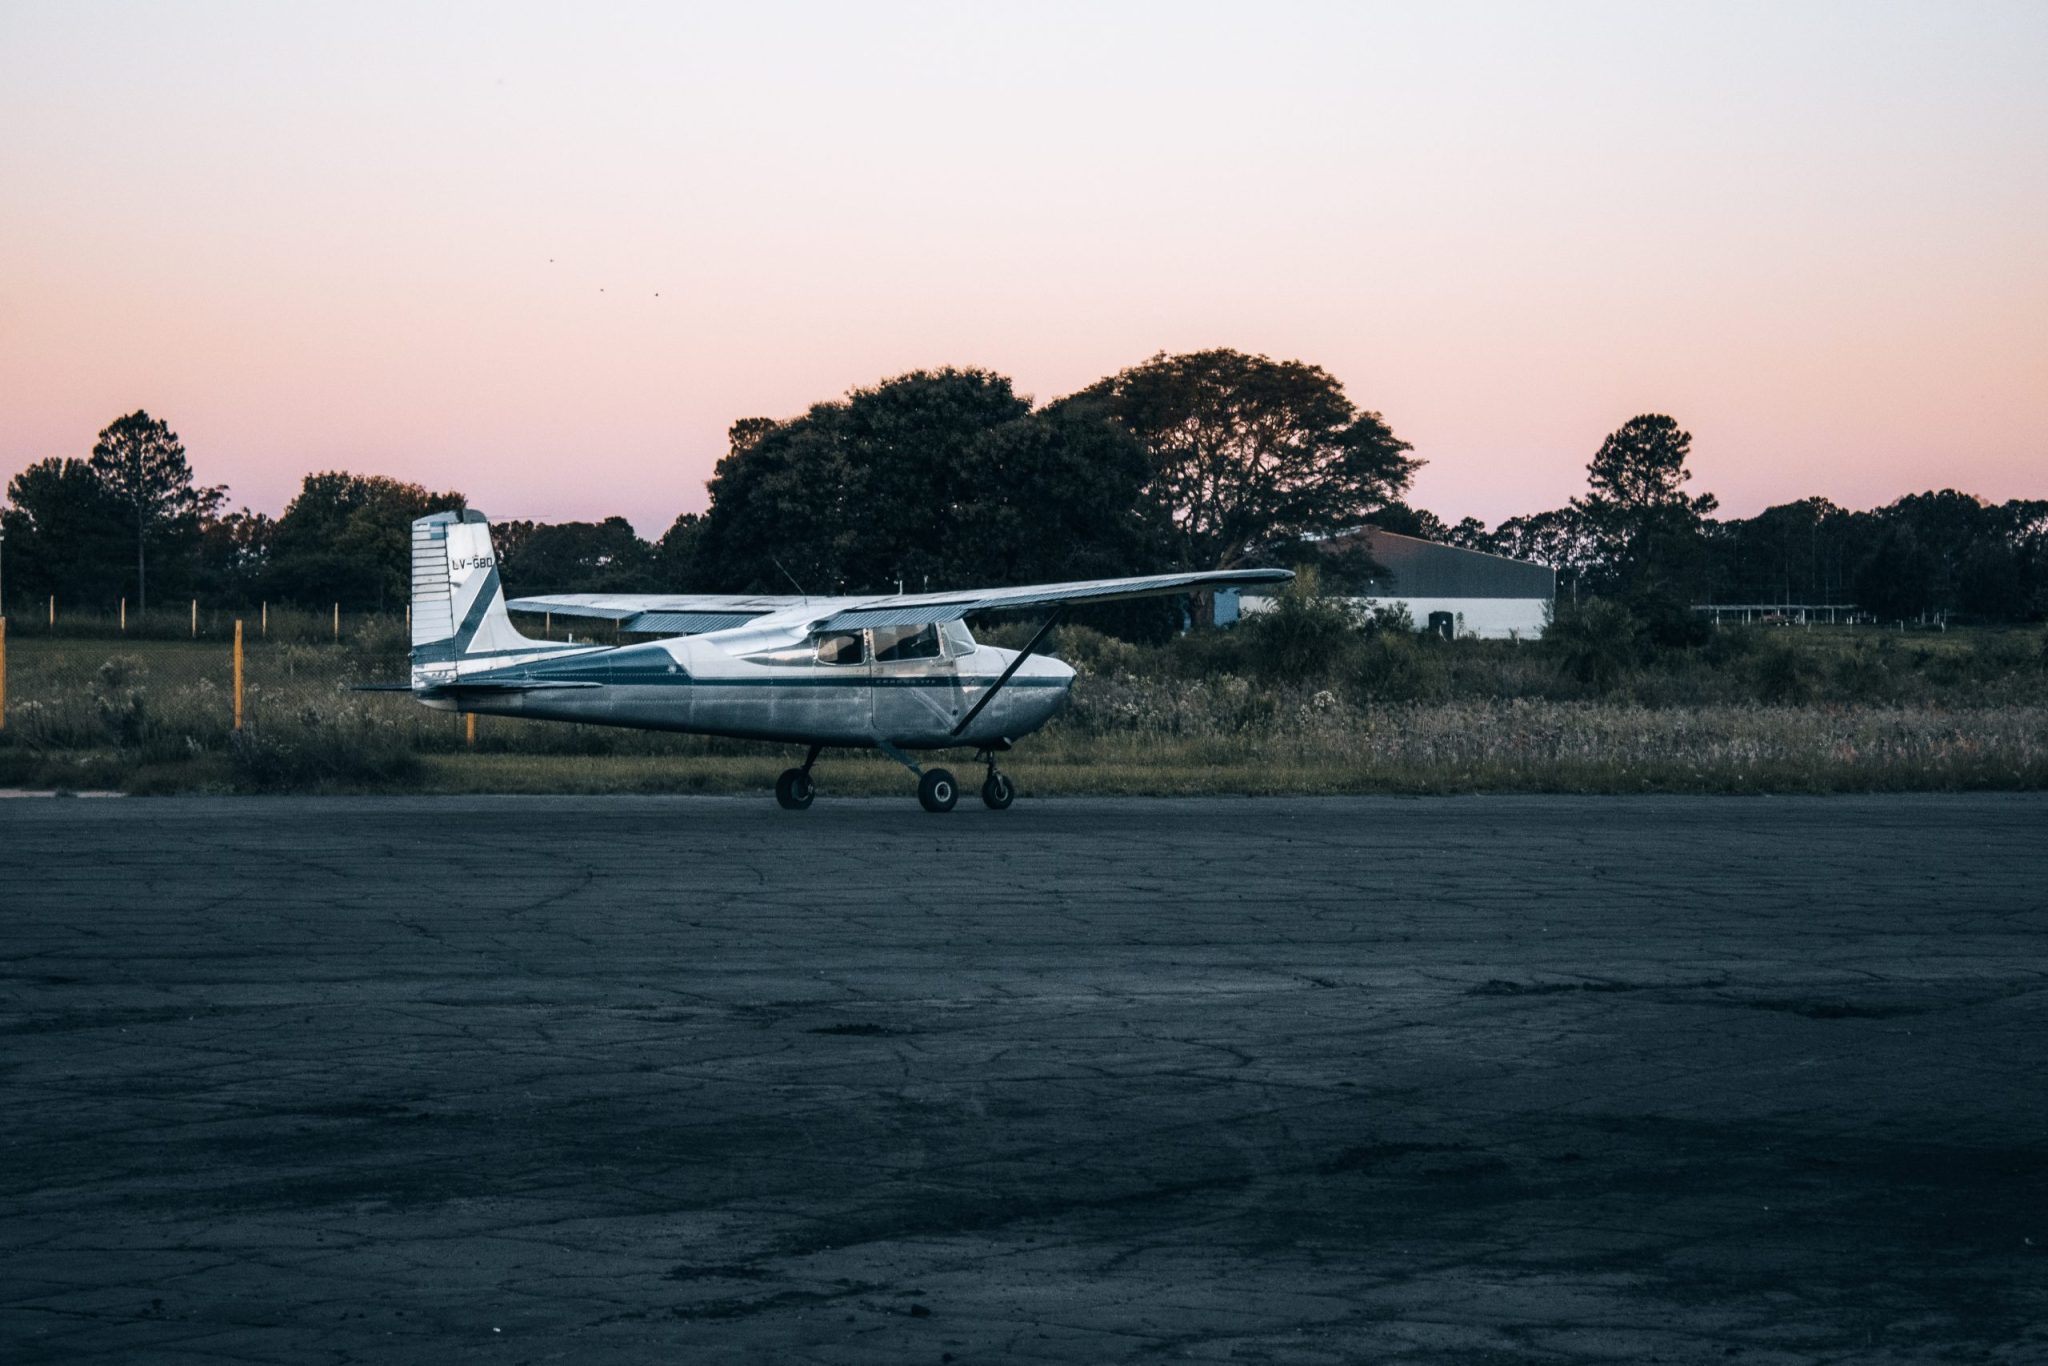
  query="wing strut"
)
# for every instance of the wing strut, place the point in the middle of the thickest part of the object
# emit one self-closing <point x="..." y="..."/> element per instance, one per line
<point x="1015" y="664"/>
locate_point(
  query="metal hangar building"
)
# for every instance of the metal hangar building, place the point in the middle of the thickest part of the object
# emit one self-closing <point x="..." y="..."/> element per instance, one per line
<point x="1446" y="588"/>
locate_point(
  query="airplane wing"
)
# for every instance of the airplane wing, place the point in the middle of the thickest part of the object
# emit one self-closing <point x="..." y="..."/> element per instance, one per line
<point x="689" y="614"/>
<point x="775" y="630"/>
<point x="918" y="609"/>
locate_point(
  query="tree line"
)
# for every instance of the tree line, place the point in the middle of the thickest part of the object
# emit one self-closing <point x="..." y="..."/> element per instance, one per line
<point x="948" y="477"/>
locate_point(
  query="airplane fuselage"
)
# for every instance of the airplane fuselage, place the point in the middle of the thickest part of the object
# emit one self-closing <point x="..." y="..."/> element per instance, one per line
<point x="689" y="684"/>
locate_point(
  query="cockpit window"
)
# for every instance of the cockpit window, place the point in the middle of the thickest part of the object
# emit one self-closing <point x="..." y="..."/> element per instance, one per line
<point x="841" y="647"/>
<point x="906" y="642"/>
<point x="959" y="640"/>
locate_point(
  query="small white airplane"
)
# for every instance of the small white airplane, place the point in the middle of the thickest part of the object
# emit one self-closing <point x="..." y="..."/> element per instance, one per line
<point x="894" y="672"/>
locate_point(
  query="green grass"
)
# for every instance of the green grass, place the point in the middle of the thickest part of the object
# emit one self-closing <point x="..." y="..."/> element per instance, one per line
<point x="1776" y="711"/>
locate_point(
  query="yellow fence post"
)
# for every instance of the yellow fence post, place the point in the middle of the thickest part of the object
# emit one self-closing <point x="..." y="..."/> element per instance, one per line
<point x="195" y="618"/>
<point x="124" y="616"/>
<point x="53" y="611"/>
<point x="238" y="673"/>
<point x="408" y="618"/>
<point x="3" y="673"/>
<point x="469" y="717"/>
<point x="265" y="629"/>
<point x="337" y="623"/>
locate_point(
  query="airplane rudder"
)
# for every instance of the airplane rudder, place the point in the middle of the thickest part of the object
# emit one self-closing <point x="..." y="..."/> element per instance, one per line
<point x="433" y="587"/>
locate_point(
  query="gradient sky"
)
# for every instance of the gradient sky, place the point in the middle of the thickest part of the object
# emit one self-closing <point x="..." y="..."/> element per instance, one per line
<point x="547" y="254"/>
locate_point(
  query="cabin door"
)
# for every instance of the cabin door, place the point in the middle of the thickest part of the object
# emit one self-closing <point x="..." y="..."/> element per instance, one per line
<point x="916" y="687"/>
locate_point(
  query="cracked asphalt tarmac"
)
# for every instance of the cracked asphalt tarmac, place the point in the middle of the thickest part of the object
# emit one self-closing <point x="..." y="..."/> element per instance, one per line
<point x="1449" y="1080"/>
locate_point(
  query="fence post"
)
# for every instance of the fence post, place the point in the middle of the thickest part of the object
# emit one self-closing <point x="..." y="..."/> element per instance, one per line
<point x="53" y="611"/>
<point x="195" y="618"/>
<point x="266" y="621"/>
<point x="3" y="673"/>
<point x="238" y="673"/>
<point x="469" y="727"/>
<point x="337" y="623"/>
<point x="124" y="616"/>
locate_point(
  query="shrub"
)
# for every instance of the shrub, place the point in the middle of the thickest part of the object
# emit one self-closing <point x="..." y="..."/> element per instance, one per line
<point x="315" y="752"/>
<point x="1092" y="652"/>
<point x="1303" y="636"/>
<point x="1391" y="618"/>
<point x="1668" y="623"/>
<point x="1398" y="667"/>
<point x="1594" y="642"/>
<point x="118" y="700"/>
<point x="1784" y="673"/>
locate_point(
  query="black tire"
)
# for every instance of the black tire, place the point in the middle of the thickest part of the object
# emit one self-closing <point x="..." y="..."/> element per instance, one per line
<point x="936" y="790"/>
<point x="997" y="791"/>
<point x="793" y="790"/>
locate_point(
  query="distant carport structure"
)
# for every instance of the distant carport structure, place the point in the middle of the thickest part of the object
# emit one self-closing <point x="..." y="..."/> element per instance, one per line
<point x="1445" y="588"/>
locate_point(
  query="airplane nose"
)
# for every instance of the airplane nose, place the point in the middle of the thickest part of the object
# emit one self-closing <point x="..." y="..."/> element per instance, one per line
<point x="1062" y="674"/>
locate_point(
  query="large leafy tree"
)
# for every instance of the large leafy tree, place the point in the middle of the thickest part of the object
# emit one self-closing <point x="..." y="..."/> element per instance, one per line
<point x="1649" y="527"/>
<point x="66" y="534"/>
<point x="675" y="554"/>
<point x="1559" y="538"/>
<point x="347" y="538"/>
<point x="142" y="465"/>
<point x="936" y="478"/>
<point x="1249" y="452"/>
<point x="234" y="554"/>
<point x="574" y="557"/>
<point x="1797" y="552"/>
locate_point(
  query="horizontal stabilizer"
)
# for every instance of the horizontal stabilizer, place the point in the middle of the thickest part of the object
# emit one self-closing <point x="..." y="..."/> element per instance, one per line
<point x="501" y="686"/>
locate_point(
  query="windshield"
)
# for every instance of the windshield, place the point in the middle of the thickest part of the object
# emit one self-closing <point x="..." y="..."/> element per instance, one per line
<point x="959" y="640"/>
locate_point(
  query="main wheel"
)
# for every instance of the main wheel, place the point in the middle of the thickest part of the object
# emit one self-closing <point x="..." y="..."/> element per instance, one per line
<point x="936" y="790"/>
<point x="793" y="790"/>
<point x="997" y="792"/>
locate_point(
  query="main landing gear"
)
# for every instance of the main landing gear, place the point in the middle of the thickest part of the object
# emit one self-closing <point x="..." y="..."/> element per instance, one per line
<point x="937" y="789"/>
<point x="794" y="790"/>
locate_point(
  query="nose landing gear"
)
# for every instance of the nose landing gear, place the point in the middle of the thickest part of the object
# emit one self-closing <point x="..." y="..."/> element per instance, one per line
<point x="997" y="791"/>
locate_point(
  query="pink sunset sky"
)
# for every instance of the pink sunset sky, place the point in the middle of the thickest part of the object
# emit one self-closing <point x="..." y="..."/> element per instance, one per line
<point x="547" y="254"/>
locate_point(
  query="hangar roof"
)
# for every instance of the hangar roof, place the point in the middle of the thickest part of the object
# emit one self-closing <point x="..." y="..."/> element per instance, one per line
<point x="1417" y="568"/>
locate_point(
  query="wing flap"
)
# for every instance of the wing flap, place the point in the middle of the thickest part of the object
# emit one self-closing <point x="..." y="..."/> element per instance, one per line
<point x="685" y="623"/>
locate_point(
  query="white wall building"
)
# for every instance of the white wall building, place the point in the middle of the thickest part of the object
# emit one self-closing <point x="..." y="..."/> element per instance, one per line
<point x="1444" y="587"/>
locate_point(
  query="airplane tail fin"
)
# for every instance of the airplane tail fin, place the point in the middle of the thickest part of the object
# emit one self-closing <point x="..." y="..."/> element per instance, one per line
<point x="458" y="604"/>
